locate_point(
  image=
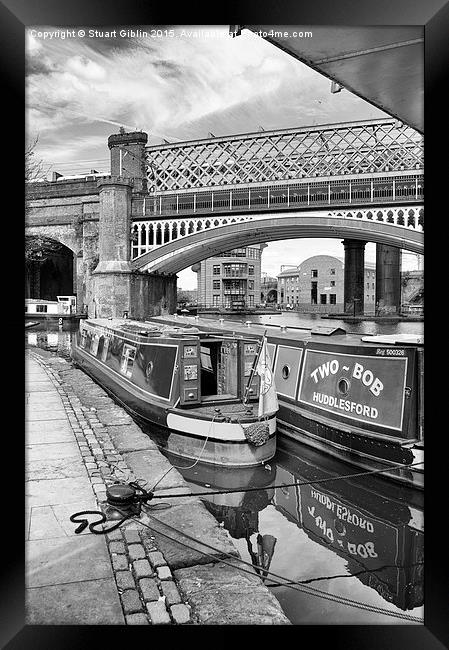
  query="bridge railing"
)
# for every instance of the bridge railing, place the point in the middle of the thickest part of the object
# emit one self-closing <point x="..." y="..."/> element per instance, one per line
<point x="305" y="195"/>
<point x="147" y="235"/>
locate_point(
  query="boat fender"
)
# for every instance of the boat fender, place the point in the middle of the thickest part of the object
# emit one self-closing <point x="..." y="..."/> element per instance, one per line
<point x="257" y="433"/>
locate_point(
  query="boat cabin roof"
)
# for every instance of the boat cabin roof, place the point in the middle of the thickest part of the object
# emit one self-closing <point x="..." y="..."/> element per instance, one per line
<point x="143" y="330"/>
<point x="317" y="333"/>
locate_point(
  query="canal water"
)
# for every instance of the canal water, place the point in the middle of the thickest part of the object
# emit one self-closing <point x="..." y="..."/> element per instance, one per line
<point x="308" y="321"/>
<point x="351" y="547"/>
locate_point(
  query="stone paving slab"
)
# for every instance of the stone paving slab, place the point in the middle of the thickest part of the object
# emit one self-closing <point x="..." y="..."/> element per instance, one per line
<point x="45" y="522"/>
<point x="45" y="397"/>
<point x="191" y="517"/>
<point x="67" y="467"/>
<point x="223" y="595"/>
<point x="49" y="406"/>
<point x="113" y="415"/>
<point x="51" y="451"/>
<point x="59" y="431"/>
<point x="57" y="491"/>
<point x="53" y="429"/>
<point x="38" y="386"/>
<point x="69" y="581"/>
<point x="151" y="466"/>
<point x="66" y="559"/>
<point x="42" y="415"/>
<point x="94" y="602"/>
<point x="128" y="437"/>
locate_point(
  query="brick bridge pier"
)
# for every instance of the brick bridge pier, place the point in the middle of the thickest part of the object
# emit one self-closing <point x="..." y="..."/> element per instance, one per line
<point x="92" y="217"/>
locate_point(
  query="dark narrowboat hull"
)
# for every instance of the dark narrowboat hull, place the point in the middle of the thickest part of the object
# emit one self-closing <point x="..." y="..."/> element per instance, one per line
<point x="190" y="433"/>
<point x="356" y="401"/>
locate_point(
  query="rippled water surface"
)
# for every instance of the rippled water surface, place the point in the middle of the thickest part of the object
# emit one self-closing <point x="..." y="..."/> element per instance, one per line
<point x="352" y="547"/>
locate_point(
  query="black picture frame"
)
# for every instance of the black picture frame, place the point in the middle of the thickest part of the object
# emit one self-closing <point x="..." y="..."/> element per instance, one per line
<point x="15" y="16"/>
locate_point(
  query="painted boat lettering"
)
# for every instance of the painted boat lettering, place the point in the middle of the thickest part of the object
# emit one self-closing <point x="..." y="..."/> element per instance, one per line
<point x="349" y="530"/>
<point x="341" y="511"/>
<point x="390" y="352"/>
<point x="366" y="376"/>
<point x="365" y="388"/>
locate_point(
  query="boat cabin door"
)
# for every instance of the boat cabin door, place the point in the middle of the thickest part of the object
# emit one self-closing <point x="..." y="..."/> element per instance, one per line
<point x="248" y="357"/>
<point x="189" y="372"/>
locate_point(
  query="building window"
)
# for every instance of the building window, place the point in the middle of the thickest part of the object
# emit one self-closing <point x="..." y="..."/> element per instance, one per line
<point x="250" y="301"/>
<point x="216" y="269"/>
<point x="332" y="271"/>
<point x="216" y="284"/>
<point x="250" y="269"/>
<point x="314" y="273"/>
<point x="323" y="298"/>
<point x="251" y="285"/>
<point x="372" y="286"/>
<point x="367" y="285"/>
<point x="41" y="309"/>
<point x="333" y="299"/>
<point x="234" y="270"/>
<point x="215" y="300"/>
<point x="372" y="298"/>
<point x="332" y="283"/>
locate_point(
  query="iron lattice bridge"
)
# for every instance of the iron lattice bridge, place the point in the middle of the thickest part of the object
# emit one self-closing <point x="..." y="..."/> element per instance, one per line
<point x="334" y="150"/>
<point x="370" y="170"/>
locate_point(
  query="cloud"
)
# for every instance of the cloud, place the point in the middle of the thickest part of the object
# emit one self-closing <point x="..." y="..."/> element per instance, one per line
<point x="169" y="85"/>
<point x="84" y="68"/>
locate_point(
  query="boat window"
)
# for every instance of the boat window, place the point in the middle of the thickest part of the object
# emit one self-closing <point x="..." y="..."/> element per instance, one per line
<point x="286" y="371"/>
<point x="83" y="338"/>
<point x="128" y="356"/>
<point x="94" y="344"/>
<point x="104" y="352"/>
<point x="343" y="386"/>
<point x="206" y="361"/>
<point x="149" y="369"/>
<point x="41" y="309"/>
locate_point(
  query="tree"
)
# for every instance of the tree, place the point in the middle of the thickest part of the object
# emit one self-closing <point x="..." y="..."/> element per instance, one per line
<point x="34" y="168"/>
<point x="39" y="248"/>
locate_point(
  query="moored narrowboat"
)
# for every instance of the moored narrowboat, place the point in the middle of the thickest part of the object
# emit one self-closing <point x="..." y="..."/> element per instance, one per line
<point x="359" y="399"/>
<point x="199" y="387"/>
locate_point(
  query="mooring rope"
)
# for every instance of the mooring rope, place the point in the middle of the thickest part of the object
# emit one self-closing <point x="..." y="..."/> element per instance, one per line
<point x="286" y="582"/>
<point x="327" y="479"/>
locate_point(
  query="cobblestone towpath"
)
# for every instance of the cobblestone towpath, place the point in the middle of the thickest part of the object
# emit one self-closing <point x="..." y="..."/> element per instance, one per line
<point x="78" y="441"/>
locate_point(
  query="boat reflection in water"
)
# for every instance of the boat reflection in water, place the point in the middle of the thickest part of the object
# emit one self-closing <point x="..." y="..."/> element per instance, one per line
<point x="237" y="511"/>
<point x="358" y="538"/>
<point x="53" y="339"/>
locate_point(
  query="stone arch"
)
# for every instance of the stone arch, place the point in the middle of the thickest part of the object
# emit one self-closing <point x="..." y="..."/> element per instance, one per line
<point x="51" y="267"/>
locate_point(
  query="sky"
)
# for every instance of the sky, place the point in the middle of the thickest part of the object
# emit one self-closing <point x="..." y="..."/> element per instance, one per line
<point x="177" y="86"/>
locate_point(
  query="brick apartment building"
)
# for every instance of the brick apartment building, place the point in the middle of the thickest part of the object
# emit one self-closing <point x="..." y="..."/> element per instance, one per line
<point x="318" y="285"/>
<point x="230" y="280"/>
